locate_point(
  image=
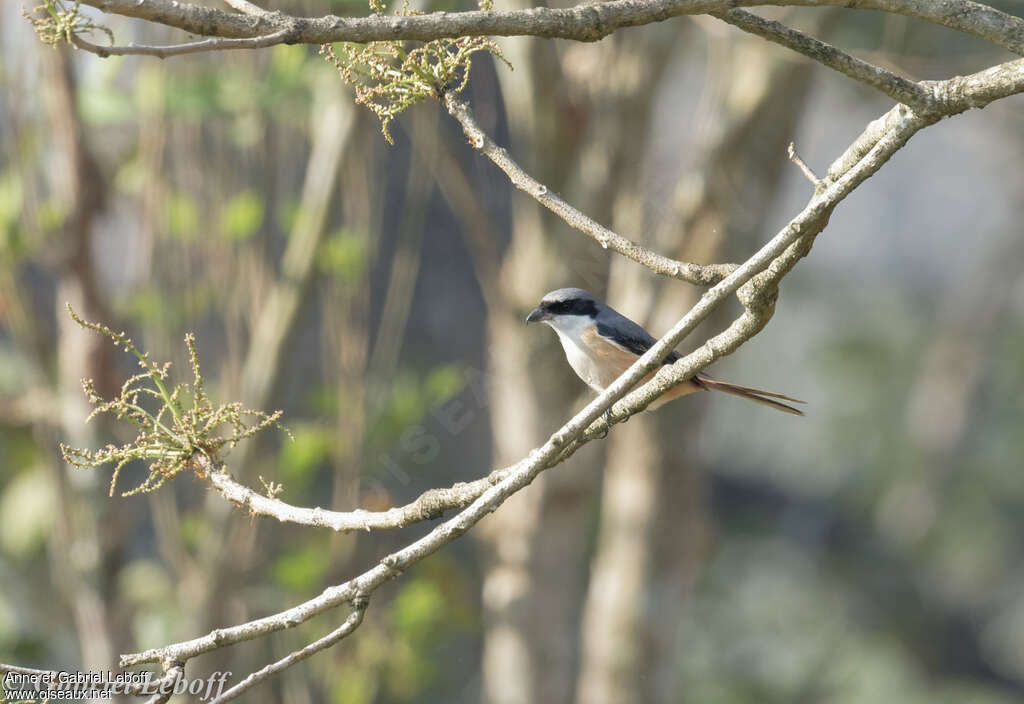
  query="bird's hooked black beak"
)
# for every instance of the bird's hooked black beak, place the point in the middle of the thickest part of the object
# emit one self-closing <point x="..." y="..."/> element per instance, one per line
<point x="537" y="316"/>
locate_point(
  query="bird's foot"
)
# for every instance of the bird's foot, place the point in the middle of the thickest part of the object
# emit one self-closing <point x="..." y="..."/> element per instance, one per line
<point x="608" y="421"/>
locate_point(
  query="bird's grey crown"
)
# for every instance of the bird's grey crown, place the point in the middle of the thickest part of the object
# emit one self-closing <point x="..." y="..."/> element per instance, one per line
<point x="566" y="294"/>
<point x="569" y="301"/>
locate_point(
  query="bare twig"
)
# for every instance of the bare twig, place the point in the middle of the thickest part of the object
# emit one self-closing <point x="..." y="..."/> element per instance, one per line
<point x="811" y="176"/>
<point x="351" y="624"/>
<point x="896" y="87"/>
<point x="704" y="275"/>
<point x="212" y="44"/>
<point x="429" y="505"/>
<point x="163" y="688"/>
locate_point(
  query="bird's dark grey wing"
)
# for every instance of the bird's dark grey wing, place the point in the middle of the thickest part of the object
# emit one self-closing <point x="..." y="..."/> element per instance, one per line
<point x="627" y="334"/>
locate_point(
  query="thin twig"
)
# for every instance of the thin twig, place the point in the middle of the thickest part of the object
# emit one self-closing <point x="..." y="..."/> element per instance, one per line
<point x="164" y="687"/>
<point x="704" y="275"/>
<point x="350" y="625"/>
<point x="811" y="176"/>
<point x="211" y="44"/>
<point x="896" y="87"/>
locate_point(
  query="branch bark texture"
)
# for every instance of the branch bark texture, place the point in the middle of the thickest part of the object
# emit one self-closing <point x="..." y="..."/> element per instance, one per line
<point x="587" y="22"/>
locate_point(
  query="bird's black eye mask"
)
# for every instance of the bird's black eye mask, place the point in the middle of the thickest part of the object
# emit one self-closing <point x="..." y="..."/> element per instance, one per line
<point x="575" y="306"/>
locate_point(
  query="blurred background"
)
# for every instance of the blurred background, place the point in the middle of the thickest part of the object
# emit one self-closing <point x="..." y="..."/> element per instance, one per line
<point x="712" y="552"/>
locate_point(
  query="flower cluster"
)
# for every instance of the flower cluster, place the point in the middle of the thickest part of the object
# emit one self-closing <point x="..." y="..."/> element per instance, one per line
<point x="55" y="23"/>
<point x="389" y="76"/>
<point x="172" y="424"/>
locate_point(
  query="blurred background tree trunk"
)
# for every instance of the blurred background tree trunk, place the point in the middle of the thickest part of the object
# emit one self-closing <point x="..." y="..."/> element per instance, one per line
<point x="85" y="549"/>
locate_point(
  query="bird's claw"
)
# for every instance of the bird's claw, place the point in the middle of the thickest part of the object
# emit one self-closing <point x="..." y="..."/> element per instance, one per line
<point x="608" y="424"/>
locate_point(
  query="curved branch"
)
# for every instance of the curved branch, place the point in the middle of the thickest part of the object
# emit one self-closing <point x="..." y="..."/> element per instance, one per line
<point x="162" y="52"/>
<point x="344" y="630"/>
<point x="588" y="22"/>
<point x="430" y="505"/>
<point x="896" y="87"/>
<point x="704" y="275"/>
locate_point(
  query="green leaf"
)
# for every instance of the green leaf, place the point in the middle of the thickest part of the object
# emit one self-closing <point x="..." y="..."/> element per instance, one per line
<point x="242" y="216"/>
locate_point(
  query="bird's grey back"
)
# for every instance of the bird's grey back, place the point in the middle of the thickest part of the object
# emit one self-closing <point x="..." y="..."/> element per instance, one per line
<point x="614" y="325"/>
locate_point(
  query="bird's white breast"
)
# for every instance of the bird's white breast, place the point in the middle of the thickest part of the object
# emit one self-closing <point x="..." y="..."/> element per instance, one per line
<point x="570" y="331"/>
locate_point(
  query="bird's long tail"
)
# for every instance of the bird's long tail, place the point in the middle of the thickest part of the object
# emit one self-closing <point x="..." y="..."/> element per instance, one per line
<point x="752" y="394"/>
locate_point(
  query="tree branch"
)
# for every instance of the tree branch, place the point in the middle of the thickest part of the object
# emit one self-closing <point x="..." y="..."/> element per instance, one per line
<point x="587" y="22"/>
<point x="350" y="625"/>
<point x="212" y="44"/>
<point x="704" y="275"/>
<point x="804" y="168"/>
<point x="430" y="505"/>
<point x="896" y="87"/>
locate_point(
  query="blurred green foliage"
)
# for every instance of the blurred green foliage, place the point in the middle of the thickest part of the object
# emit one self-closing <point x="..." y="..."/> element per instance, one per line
<point x="301" y="460"/>
<point x="412" y="396"/>
<point x="242" y="215"/>
<point x="343" y="254"/>
<point x="301" y="570"/>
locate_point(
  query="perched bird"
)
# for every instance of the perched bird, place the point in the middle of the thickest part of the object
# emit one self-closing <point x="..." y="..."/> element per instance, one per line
<point x="600" y="344"/>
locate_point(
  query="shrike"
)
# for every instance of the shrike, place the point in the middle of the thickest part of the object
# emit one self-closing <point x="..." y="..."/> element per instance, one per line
<point x="600" y="344"/>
